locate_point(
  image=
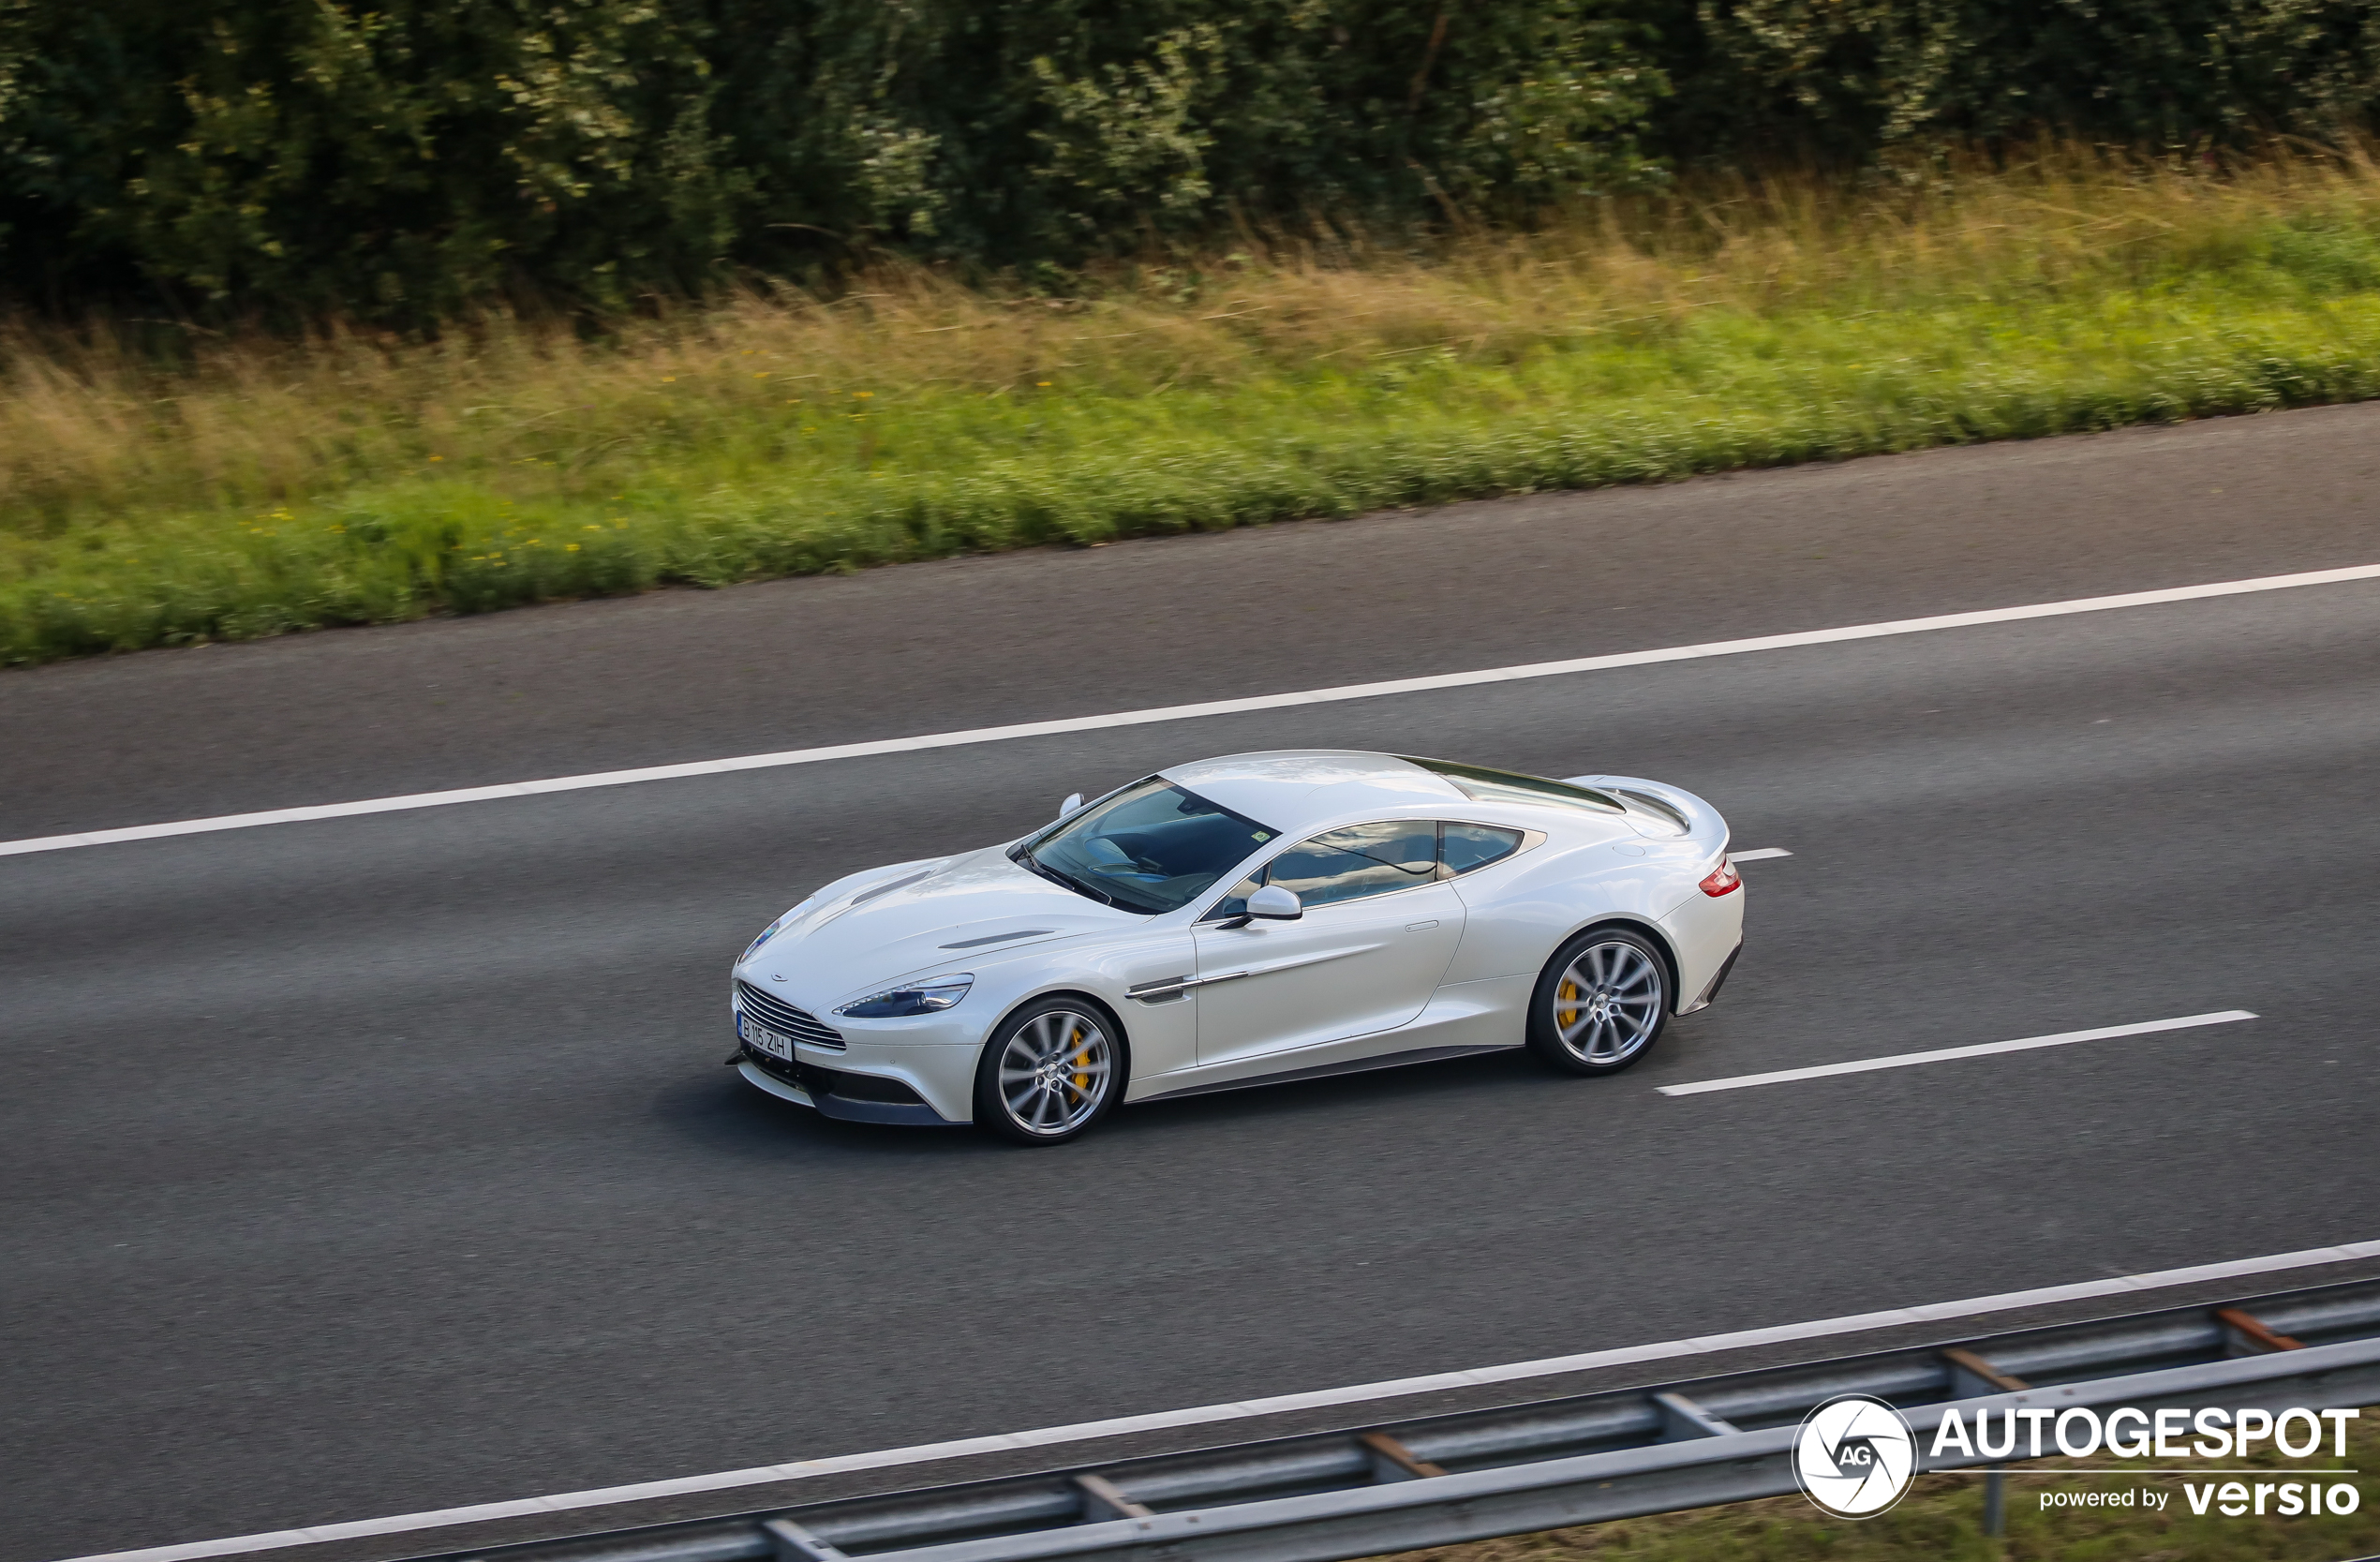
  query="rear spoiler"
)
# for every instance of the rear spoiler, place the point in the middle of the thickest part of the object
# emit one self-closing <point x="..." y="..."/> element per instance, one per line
<point x="1664" y="805"/>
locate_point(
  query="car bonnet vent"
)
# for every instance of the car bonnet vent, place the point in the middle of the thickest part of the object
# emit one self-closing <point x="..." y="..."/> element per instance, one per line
<point x="871" y="893"/>
<point x="999" y="938"/>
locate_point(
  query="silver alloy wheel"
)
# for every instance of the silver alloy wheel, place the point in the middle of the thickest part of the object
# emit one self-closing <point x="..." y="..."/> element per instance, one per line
<point x="1054" y="1072"/>
<point x="1607" y="1004"/>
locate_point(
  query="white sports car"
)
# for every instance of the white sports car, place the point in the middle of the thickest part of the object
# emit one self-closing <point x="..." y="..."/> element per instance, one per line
<point x="1242" y="921"/>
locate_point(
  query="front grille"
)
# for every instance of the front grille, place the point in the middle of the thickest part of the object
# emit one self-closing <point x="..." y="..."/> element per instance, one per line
<point x="821" y="1082"/>
<point x="785" y="1019"/>
<point x="812" y="1078"/>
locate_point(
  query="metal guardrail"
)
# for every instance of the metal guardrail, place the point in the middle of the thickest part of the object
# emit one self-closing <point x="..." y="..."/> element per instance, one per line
<point x="1325" y="1497"/>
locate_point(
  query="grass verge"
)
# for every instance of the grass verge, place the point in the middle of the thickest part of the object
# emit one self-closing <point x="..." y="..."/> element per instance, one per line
<point x="250" y="488"/>
<point x="1940" y="1521"/>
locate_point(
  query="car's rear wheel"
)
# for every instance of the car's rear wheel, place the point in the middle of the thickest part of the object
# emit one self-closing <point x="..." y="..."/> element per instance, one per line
<point x="1050" y="1070"/>
<point x="1600" y="1002"/>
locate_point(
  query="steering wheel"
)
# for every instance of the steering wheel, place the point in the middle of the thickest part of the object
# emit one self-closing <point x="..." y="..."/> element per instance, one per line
<point x="1111" y="858"/>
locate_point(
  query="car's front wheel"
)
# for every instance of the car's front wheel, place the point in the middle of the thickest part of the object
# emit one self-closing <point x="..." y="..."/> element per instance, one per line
<point x="1049" y="1071"/>
<point x="1600" y="1002"/>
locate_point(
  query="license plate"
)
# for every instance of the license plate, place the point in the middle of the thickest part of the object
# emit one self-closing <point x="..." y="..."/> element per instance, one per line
<point x="762" y="1039"/>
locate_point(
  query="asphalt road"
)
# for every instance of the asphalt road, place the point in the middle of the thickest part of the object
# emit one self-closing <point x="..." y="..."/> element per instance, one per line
<point x="386" y="1164"/>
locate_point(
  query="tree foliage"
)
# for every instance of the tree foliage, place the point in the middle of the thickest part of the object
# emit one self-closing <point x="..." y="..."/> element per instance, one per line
<point x="396" y="160"/>
<point x="1849" y="78"/>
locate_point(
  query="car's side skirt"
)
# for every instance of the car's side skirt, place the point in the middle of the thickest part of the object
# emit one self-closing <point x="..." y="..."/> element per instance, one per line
<point x="1319" y="1071"/>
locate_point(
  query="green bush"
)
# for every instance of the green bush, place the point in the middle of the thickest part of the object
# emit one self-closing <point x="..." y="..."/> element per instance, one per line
<point x="397" y="162"/>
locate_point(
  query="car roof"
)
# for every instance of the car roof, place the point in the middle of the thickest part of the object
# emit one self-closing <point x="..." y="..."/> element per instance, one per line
<point x="1294" y="790"/>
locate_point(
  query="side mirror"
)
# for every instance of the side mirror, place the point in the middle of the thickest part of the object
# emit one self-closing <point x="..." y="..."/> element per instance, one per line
<point x="1074" y="801"/>
<point x="1273" y="903"/>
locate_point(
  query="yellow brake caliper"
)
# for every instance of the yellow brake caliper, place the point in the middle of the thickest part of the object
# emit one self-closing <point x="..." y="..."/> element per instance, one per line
<point x="1082" y="1065"/>
<point x="1566" y="1005"/>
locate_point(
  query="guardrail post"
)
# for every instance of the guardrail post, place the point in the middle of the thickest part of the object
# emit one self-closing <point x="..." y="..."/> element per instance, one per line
<point x="793" y="1543"/>
<point x="1393" y="1461"/>
<point x="2246" y="1334"/>
<point x="1103" y="1499"/>
<point x="1681" y="1419"/>
<point x="1972" y="1377"/>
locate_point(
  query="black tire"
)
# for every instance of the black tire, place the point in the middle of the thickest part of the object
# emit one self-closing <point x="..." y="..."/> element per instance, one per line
<point x="1042" y="1079"/>
<point x="1601" y="1026"/>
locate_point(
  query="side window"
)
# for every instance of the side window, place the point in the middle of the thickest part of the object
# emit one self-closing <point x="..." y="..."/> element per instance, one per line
<point x="1469" y="846"/>
<point x="1360" y="861"/>
<point x="1346" y="865"/>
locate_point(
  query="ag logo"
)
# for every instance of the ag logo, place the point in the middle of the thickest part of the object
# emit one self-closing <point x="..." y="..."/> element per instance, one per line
<point x="1853" y="1456"/>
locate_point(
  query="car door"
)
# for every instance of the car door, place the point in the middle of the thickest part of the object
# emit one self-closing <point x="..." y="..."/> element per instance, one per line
<point x="1379" y="931"/>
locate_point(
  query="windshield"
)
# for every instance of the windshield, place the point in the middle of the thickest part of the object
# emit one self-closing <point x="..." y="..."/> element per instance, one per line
<point x="1148" y="848"/>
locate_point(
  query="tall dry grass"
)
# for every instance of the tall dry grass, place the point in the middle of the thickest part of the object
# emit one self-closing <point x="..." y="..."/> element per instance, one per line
<point x="763" y="410"/>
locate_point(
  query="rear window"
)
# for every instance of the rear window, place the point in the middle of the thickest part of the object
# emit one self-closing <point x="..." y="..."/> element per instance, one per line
<point x="1484" y="785"/>
<point x="1464" y="847"/>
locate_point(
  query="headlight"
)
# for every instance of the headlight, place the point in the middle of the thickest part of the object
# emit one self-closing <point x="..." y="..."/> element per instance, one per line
<point x="774" y="929"/>
<point x="922" y="998"/>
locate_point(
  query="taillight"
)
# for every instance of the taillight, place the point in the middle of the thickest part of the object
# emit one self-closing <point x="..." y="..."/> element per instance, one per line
<point x="1724" y="879"/>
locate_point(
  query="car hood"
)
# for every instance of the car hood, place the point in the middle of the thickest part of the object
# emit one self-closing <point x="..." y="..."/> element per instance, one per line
<point x="907" y="925"/>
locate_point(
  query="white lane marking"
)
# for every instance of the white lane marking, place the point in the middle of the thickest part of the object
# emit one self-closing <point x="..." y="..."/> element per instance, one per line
<point x="1761" y="853"/>
<point x="1981" y="1049"/>
<point x="1937" y="1312"/>
<point x="1187" y="712"/>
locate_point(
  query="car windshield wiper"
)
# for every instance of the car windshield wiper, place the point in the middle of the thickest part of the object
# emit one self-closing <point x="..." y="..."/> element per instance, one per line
<point x="1134" y="906"/>
<point x="1024" y="858"/>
